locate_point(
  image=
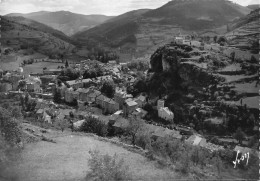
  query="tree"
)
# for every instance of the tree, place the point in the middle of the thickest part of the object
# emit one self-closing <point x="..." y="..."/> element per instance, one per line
<point x="136" y="125"/>
<point x="22" y="84"/>
<point x="232" y="56"/>
<point x="66" y="64"/>
<point x="239" y="135"/>
<point x="108" y="88"/>
<point x="106" y="168"/>
<point x="57" y="96"/>
<point x="221" y="39"/>
<point x="93" y="125"/>
<point x="215" y="39"/>
<point x="62" y="124"/>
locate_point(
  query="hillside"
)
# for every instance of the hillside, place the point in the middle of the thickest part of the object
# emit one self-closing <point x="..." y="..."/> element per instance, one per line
<point x="197" y="14"/>
<point x="253" y="6"/>
<point x="245" y="31"/>
<point x="65" y="21"/>
<point x="140" y="32"/>
<point x="23" y="33"/>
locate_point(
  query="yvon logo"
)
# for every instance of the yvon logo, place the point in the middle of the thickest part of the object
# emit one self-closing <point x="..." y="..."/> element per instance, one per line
<point x="242" y="158"/>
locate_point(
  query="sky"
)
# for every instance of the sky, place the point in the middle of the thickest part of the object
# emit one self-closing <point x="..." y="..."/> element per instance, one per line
<point x="106" y="7"/>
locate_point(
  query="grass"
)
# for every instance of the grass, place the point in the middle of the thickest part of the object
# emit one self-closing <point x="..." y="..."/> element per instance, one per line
<point x="233" y="78"/>
<point x="68" y="160"/>
<point x="13" y="61"/>
<point x="247" y="87"/>
<point x="38" y="67"/>
<point x="251" y="102"/>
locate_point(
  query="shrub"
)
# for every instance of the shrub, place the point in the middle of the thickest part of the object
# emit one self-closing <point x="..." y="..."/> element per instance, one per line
<point x="184" y="164"/>
<point x="93" y="125"/>
<point x="106" y="168"/>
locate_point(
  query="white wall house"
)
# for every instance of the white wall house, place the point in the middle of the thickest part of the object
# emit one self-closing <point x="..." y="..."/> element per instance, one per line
<point x="165" y="113"/>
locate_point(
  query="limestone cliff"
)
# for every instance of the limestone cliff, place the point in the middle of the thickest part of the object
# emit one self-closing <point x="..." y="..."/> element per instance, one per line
<point x="166" y="62"/>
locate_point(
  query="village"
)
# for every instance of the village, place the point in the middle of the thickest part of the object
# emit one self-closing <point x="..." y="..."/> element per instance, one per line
<point x="71" y="102"/>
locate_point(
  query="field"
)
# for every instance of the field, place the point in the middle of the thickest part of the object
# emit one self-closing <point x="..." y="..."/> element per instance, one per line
<point x="68" y="160"/>
<point x="13" y="61"/>
<point x="38" y="67"/>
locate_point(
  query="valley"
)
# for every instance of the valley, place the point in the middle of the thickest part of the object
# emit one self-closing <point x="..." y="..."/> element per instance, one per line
<point x="172" y="91"/>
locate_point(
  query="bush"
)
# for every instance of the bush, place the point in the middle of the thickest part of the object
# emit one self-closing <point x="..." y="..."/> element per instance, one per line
<point x="106" y="168"/>
<point x="184" y="164"/>
<point x="93" y="125"/>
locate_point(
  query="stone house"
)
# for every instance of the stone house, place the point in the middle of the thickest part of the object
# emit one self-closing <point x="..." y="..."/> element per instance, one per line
<point x="100" y="100"/>
<point x="33" y="87"/>
<point x="120" y="96"/>
<point x="83" y="94"/>
<point x="140" y="100"/>
<point x="88" y="95"/>
<point x="75" y="84"/>
<point x="196" y="140"/>
<point x="165" y="114"/>
<point x="93" y="95"/>
<point x="139" y="112"/>
<point x="108" y="105"/>
<point x="129" y="107"/>
<point x="160" y="103"/>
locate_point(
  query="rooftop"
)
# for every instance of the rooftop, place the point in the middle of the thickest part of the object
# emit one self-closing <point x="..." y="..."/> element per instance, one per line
<point x="131" y="103"/>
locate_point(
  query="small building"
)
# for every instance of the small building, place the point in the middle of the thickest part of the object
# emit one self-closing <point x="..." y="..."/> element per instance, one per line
<point x="100" y="100"/>
<point x="120" y="96"/>
<point x="140" y="100"/>
<point x="129" y="107"/>
<point x="83" y="94"/>
<point x="110" y="106"/>
<point x="160" y="103"/>
<point x="75" y="84"/>
<point x="179" y="40"/>
<point x="139" y="112"/>
<point x="196" y="140"/>
<point x="112" y="62"/>
<point x="166" y="114"/>
<point x="33" y="87"/>
<point x="47" y="118"/>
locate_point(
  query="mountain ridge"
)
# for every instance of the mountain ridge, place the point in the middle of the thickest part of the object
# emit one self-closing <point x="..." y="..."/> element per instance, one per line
<point x="65" y="21"/>
<point x="25" y="33"/>
<point x="144" y="30"/>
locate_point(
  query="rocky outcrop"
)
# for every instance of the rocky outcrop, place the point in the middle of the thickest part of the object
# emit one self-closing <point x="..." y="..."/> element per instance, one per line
<point x="168" y="59"/>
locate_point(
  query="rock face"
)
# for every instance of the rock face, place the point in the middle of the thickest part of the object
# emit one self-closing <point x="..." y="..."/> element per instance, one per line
<point x="168" y="59"/>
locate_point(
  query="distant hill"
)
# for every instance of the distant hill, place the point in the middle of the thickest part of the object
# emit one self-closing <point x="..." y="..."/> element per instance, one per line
<point x="245" y="31"/>
<point x="253" y="6"/>
<point x="142" y="31"/>
<point x="198" y="14"/>
<point x="65" y="21"/>
<point x="25" y="33"/>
